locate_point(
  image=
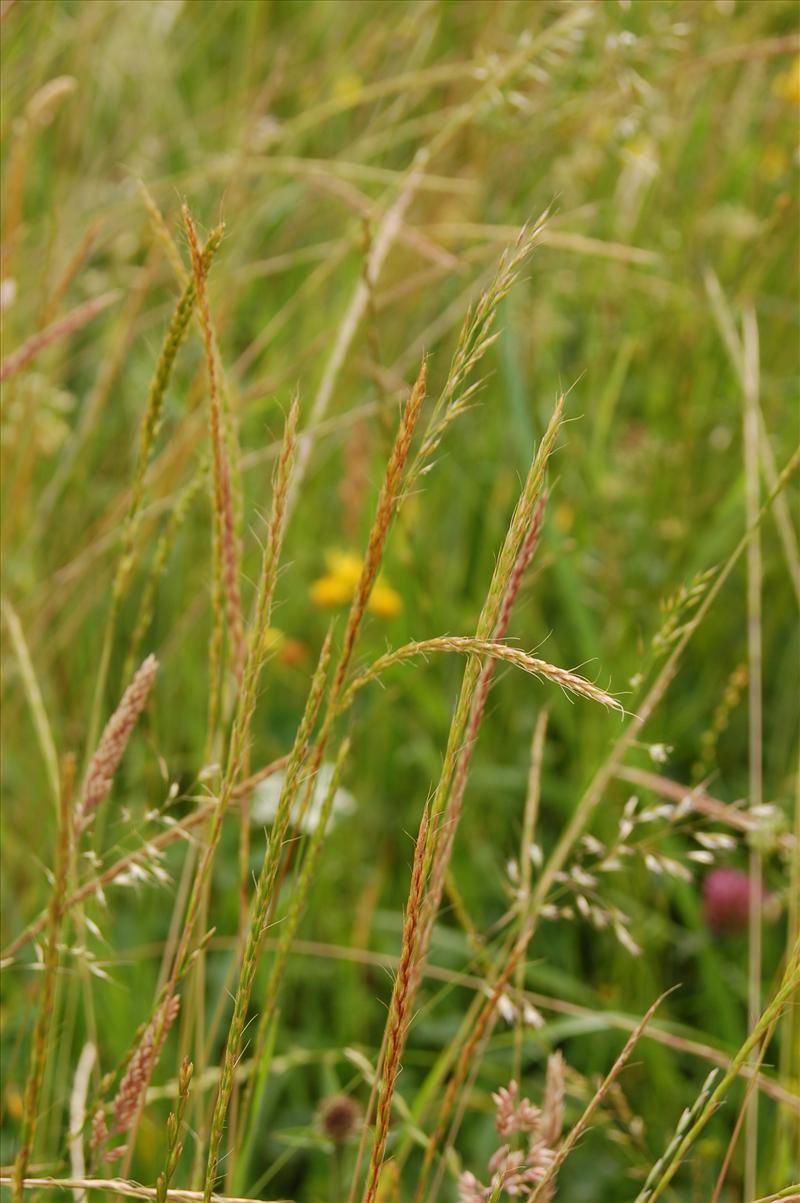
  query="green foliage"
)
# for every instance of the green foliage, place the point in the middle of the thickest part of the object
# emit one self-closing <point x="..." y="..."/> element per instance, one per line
<point x="661" y="136"/>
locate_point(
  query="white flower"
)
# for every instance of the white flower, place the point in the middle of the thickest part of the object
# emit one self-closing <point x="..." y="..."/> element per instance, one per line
<point x="659" y="753"/>
<point x="264" y="803"/>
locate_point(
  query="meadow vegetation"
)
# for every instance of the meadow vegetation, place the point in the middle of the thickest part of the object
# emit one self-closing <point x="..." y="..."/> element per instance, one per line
<point x="401" y="774"/>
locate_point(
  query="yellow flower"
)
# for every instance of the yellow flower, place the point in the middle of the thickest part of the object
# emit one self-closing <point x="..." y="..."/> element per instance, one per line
<point x="337" y="587"/>
<point x="384" y="601"/>
<point x="345" y="566"/>
<point x="330" y="591"/>
<point x="786" y="86"/>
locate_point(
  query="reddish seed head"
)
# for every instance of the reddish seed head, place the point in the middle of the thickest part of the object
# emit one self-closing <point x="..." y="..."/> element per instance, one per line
<point x="726" y="899"/>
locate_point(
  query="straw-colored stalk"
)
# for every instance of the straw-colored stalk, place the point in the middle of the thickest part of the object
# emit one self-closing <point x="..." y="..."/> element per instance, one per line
<point x="529" y="820"/>
<point x="750" y="440"/>
<point x="399" y="1009"/>
<point x="41" y="722"/>
<point x="228" y="553"/>
<point x="62" y="328"/>
<point x="41" y="1031"/>
<point x="540" y="1193"/>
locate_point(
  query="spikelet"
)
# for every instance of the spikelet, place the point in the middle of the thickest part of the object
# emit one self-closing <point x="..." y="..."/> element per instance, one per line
<point x="113" y="742"/>
<point x="142" y="1063"/>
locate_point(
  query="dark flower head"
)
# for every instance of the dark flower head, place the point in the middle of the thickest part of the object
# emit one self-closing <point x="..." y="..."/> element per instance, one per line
<point x="726" y="899"/>
<point x="339" y="1118"/>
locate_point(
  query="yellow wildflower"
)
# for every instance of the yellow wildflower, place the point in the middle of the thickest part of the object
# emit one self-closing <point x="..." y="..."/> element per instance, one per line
<point x="337" y="587"/>
<point x="345" y="566"/>
<point x="330" y="591"/>
<point x="384" y="601"/>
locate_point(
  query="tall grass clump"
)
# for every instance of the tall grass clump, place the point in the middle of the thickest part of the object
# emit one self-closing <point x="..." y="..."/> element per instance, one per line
<point x="401" y="793"/>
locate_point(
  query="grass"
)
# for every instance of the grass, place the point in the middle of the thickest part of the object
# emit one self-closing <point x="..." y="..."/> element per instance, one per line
<point x="338" y="337"/>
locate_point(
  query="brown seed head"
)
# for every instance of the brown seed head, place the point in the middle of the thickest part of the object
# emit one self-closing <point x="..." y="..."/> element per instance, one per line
<point x="339" y="1118"/>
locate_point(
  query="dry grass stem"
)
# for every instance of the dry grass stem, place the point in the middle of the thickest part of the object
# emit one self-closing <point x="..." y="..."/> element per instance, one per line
<point x="578" y="1129"/>
<point x="62" y="328"/>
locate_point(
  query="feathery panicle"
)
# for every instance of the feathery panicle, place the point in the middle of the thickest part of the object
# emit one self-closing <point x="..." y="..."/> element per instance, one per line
<point x="399" y="1009"/>
<point x="228" y="553"/>
<point x="476" y="337"/>
<point x="142" y="1063"/>
<point x="114" y="740"/>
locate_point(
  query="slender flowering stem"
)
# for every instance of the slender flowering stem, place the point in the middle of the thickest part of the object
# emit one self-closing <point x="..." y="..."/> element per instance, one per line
<point x="399" y="1009"/>
<point x="41" y="1031"/>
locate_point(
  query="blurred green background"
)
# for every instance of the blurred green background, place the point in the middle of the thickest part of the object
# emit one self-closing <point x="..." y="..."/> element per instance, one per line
<point x="663" y="137"/>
